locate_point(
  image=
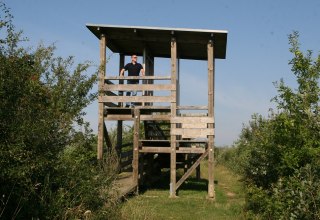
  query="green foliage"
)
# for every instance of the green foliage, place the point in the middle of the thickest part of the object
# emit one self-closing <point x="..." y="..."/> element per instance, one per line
<point x="48" y="170"/>
<point x="82" y="184"/>
<point x="278" y="157"/>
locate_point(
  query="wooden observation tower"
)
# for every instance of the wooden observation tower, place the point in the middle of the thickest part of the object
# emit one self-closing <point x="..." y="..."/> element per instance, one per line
<point x="189" y="137"/>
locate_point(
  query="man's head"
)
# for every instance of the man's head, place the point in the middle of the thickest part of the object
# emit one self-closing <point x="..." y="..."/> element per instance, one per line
<point x="133" y="58"/>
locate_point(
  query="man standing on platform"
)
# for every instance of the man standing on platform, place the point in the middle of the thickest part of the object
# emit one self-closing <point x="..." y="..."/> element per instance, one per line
<point x="134" y="68"/>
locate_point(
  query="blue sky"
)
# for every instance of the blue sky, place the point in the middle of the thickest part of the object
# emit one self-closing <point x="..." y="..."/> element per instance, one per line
<point x="257" y="48"/>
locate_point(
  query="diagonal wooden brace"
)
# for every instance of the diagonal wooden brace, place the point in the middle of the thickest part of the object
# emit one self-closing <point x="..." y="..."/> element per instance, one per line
<point x="191" y="169"/>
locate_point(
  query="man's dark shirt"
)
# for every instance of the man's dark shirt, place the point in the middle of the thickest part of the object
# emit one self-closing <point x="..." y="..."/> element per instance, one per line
<point x="133" y="70"/>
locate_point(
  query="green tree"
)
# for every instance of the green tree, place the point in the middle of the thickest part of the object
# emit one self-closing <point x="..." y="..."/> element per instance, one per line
<point x="282" y="171"/>
<point x="278" y="156"/>
<point x="47" y="168"/>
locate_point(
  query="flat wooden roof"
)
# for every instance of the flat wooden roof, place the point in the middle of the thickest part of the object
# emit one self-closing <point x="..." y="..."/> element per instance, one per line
<point x="191" y="43"/>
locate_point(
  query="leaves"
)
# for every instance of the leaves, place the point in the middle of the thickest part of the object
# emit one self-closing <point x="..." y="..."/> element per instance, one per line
<point x="278" y="157"/>
<point x="46" y="166"/>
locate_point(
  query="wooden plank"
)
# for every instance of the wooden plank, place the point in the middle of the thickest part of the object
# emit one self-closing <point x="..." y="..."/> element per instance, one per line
<point x="190" y="150"/>
<point x="135" y="99"/>
<point x="145" y="140"/>
<point x="119" y="122"/>
<point x="210" y="49"/>
<point x="194" y="115"/>
<point x="119" y="117"/>
<point x="180" y="150"/>
<point x="155" y="117"/>
<point x="138" y="77"/>
<point x="173" y="158"/>
<point x="191" y="120"/>
<point x="155" y="108"/>
<point x="191" y="169"/>
<point x="194" y="125"/>
<point x="139" y="87"/>
<point x="102" y="71"/>
<point x="135" y="162"/>
<point x="192" y="133"/>
<point x="192" y="107"/>
<point x="155" y="150"/>
<point x="204" y="140"/>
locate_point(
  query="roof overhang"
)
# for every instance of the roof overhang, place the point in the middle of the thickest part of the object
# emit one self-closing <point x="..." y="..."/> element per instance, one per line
<point x="191" y="43"/>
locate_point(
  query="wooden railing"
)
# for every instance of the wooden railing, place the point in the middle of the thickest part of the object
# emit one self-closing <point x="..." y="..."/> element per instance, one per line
<point x="193" y="127"/>
<point x="110" y="89"/>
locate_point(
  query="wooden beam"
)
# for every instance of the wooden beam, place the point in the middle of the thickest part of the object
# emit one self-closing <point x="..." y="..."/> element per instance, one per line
<point x="102" y="71"/>
<point x="191" y="120"/>
<point x="135" y="99"/>
<point x="155" y="117"/>
<point x="192" y="107"/>
<point x="193" y="141"/>
<point x="155" y="150"/>
<point x="146" y="140"/>
<point x="151" y="73"/>
<point x="117" y="37"/>
<point x="138" y="77"/>
<point x="155" y="108"/>
<point x="173" y="114"/>
<point x="194" y="125"/>
<point x="119" y="117"/>
<point x="191" y="169"/>
<point x="180" y="150"/>
<point x="190" y="150"/>
<point x="135" y="162"/>
<point x="210" y="49"/>
<point x="192" y="132"/>
<point x="119" y="122"/>
<point x="139" y="87"/>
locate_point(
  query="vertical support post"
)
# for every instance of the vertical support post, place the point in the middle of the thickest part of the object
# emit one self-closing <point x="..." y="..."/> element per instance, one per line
<point x="102" y="72"/>
<point x="151" y="72"/>
<point x="178" y="82"/>
<point x="135" y="162"/>
<point x="144" y="64"/>
<point x="119" y="122"/>
<point x="210" y="49"/>
<point x="173" y="114"/>
<point x="146" y="71"/>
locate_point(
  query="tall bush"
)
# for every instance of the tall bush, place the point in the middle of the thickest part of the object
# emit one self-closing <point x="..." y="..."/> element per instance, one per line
<point x="47" y="169"/>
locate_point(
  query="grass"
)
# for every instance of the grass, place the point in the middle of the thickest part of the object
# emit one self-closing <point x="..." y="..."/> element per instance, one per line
<point x="154" y="202"/>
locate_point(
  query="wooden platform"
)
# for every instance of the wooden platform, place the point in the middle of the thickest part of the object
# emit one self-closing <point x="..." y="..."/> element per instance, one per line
<point x="124" y="184"/>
